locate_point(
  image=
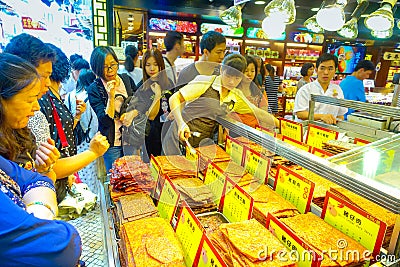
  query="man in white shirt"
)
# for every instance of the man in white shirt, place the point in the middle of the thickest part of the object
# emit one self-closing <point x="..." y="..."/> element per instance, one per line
<point x="173" y="42"/>
<point x="326" y="67"/>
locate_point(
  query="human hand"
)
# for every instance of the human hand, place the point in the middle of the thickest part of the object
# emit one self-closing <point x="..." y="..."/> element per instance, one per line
<point x="183" y="132"/>
<point x="328" y="118"/>
<point x="110" y="86"/>
<point x="128" y="117"/>
<point x="99" y="144"/>
<point x="46" y="156"/>
<point x="80" y="107"/>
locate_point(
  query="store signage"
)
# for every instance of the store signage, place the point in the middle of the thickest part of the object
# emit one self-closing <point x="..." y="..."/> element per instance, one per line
<point x="317" y="135"/>
<point x="266" y="130"/>
<point x="168" y="200"/>
<point x="292" y="129"/>
<point x="294" y="188"/>
<point x="208" y="256"/>
<point x="309" y="258"/>
<point x="258" y="33"/>
<point x="29" y="24"/>
<point x="306" y="37"/>
<point x="157" y="24"/>
<point x="237" y="205"/>
<point x="321" y="153"/>
<point x="235" y="149"/>
<point x="354" y="222"/>
<point x="215" y="179"/>
<point x="296" y="143"/>
<point x="225" y="30"/>
<point x="190" y="233"/>
<point x="257" y="165"/>
<point x="360" y="142"/>
<point x="391" y="56"/>
<point x="154" y="168"/>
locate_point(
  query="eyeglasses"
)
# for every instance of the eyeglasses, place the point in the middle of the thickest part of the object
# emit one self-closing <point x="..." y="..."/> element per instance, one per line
<point x="112" y="67"/>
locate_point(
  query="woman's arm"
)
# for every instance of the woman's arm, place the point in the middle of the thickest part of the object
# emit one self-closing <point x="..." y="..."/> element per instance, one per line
<point x="176" y="103"/>
<point x="96" y="102"/>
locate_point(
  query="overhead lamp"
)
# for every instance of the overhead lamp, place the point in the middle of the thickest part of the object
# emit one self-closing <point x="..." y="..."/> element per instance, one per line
<point x="259" y="2"/>
<point x="382" y="34"/>
<point x="273" y="26"/>
<point x="232" y="16"/>
<point x="312" y="25"/>
<point x="331" y="16"/>
<point x="350" y="28"/>
<point x="284" y="9"/>
<point x="382" y="19"/>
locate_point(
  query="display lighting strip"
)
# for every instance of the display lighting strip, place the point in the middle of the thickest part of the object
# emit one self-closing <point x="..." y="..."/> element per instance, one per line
<point x="257" y="42"/>
<point x="157" y="34"/>
<point x="296" y="45"/>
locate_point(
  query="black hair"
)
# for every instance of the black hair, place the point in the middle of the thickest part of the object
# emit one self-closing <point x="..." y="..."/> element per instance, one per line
<point x="210" y="40"/>
<point x="255" y="91"/>
<point x="365" y="64"/>
<point x="86" y="78"/>
<point x="98" y="58"/>
<point x="171" y="39"/>
<point x="30" y="48"/>
<point x="61" y="66"/>
<point x="326" y="57"/>
<point x="15" y="75"/>
<point x="80" y="64"/>
<point x="74" y="57"/>
<point x="271" y="70"/>
<point x="304" y="69"/>
<point x="130" y="53"/>
<point x="234" y="64"/>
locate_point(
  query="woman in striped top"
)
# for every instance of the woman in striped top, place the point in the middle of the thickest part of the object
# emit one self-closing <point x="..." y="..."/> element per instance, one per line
<point x="272" y="83"/>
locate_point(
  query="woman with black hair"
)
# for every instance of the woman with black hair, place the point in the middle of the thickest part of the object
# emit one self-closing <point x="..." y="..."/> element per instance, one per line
<point x="272" y="83"/>
<point x="307" y="70"/>
<point x="131" y="58"/>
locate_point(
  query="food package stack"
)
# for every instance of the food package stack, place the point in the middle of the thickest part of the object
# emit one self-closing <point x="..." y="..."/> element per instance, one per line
<point x="150" y="242"/>
<point x="322" y="185"/>
<point x="335" y="146"/>
<point x="323" y="238"/>
<point x="254" y="146"/>
<point x="177" y="167"/>
<point x="278" y="160"/>
<point x="196" y="194"/>
<point x="134" y="207"/>
<point x="370" y="207"/>
<point x="267" y="201"/>
<point x="236" y="172"/>
<point x="214" y="153"/>
<point x="130" y="174"/>
<point x="242" y="244"/>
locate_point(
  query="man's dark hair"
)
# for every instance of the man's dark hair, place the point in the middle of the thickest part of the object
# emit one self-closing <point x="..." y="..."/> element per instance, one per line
<point x="365" y="64"/>
<point x="80" y="64"/>
<point x="74" y="57"/>
<point x="31" y="49"/>
<point x="326" y="57"/>
<point x="98" y="58"/>
<point x="171" y="39"/>
<point x="304" y="69"/>
<point x="210" y="40"/>
<point x="131" y="53"/>
<point x="61" y="66"/>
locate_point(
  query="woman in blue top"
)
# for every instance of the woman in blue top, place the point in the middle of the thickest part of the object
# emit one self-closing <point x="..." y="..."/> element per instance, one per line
<point x="28" y="236"/>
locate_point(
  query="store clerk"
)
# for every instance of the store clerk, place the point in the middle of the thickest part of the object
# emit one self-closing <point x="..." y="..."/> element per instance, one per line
<point x="326" y="67"/>
<point x="196" y="106"/>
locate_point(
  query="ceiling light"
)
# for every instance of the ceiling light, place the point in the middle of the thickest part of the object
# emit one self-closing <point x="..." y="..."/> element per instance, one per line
<point x="382" y="19"/>
<point x="312" y="25"/>
<point x="285" y="9"/>
<point x="273" y="26"/>
<point x="130" y="18"/>
<point x="382" y="34"/>
<point x="259" y="2"/>
<point x="350" y="28"/>
<point x="315" y="9"/>
<point x="232" y="16"/>
<point x="331" y="15"/>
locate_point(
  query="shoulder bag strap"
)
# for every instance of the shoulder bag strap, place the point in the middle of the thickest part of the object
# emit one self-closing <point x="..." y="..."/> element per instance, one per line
<point x="60" y="130"/>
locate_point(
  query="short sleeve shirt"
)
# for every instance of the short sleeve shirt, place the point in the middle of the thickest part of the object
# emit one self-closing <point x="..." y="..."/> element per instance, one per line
<point x="353" y="89"/>
<point x="303" y="98"/>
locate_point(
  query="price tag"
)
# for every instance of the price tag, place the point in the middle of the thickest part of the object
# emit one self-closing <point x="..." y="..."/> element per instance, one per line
<point x="321" y="153"/>
<point x="296" y="143"/>
<point x="354" y="222"/>
<point x="208" y="256"/>
<point x="360" y="142"/>
<point x="235" y="149"/>
<point x="189" y="232"/>
<point x="168" y="201"/>
<point x="237" y="204"/>
<point x="317" y="135"/>
<point x="154" y="168"/>
<point x="296" y="246"/>
<point x="266" y="130"/>
<point x="215" y="179"/>
<point x="191" y="154"/>
<point x="292" y="129"/>
<point x="257" y="165"/>
<point x="294" y="188"/>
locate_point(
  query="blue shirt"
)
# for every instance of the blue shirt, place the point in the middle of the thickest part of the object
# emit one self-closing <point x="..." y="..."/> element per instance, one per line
<point x="26" y="240"/>
<point x="353" y="89"/>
